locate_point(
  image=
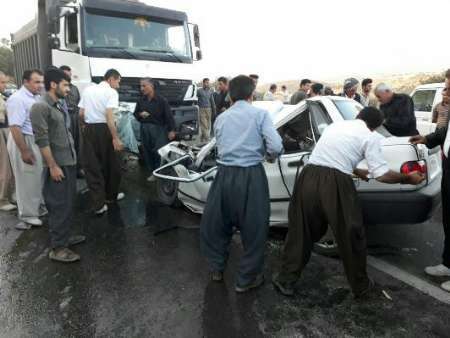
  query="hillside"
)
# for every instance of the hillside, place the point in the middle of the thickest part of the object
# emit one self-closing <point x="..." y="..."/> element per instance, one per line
<point x="402" y="83"/>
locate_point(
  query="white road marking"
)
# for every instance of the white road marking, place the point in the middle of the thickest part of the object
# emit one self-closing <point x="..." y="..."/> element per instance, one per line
<point x="406" y="277"/>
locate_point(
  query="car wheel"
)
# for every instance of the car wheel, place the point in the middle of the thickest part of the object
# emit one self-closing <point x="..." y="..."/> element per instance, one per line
<point x="326" y="248"/>
<point x="168" y="190"/>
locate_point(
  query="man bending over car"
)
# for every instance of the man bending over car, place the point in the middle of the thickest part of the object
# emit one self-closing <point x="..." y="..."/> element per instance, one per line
<point x="325" y="194"/>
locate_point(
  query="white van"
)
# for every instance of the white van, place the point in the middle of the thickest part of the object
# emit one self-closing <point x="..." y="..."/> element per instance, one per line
<point x="425" y="98"/>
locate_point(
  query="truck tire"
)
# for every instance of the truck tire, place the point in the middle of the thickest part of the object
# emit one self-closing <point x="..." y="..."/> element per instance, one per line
<point x="167" y="191"/>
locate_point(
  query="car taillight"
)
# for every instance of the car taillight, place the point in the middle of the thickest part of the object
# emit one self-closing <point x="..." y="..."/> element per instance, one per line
<point x="409" y="167"/>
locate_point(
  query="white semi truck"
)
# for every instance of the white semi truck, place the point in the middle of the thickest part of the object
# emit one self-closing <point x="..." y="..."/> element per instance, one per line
<point x="92" y="36"/>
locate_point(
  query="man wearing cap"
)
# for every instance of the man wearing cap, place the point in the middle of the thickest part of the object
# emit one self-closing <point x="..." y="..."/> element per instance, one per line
<point x="350" y="89"/>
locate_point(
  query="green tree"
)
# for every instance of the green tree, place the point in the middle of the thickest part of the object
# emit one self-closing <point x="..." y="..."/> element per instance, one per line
<point x="6" y="60"/>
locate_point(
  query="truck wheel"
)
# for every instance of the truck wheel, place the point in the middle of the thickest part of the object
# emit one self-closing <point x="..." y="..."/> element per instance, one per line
<point x="168" y="190"/>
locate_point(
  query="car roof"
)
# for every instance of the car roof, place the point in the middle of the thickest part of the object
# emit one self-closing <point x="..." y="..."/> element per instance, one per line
<point x="431" y="86"/>
<point x="281" y="112"/>
<point x="278" y="110"/>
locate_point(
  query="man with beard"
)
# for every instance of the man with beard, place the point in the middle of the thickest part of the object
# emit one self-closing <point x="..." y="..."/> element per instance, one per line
<point x="51" y="126"/>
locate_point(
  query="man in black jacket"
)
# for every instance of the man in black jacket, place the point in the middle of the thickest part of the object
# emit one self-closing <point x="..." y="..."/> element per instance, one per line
<point x="398" y="110"/>
<point x="441" y="138"/>
<point x="157" y="124"/>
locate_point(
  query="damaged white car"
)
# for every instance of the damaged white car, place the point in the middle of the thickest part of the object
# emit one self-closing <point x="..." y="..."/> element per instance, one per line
<point x="188" y="171"/>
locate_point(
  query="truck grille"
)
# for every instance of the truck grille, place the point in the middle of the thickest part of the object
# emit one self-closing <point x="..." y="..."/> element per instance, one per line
<point x="173" y="90"/>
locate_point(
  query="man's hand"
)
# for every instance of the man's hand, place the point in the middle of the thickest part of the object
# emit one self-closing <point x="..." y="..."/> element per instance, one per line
<point x="144" y="114"/>
<point x="362" y="174"/>
<point x="28" y="157"/>
<point x="172" y="135"/>
<point x="418" y="139"/>
<point x="117" y="144"/>
<point x="415" y="178"/>
<point x="56" y="173"/>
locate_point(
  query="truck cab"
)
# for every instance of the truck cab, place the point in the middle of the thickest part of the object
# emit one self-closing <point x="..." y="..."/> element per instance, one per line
<point x="92" y="36"/>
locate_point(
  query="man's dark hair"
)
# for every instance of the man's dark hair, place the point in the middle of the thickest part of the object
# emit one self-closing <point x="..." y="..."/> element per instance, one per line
<point x="283" y="87"/>
<point x="205" y="79"/>
<point x="241" y="88"/>
<point x="111" y="73"/>
<point x="365" y="82"/>
<point x="222" y="79"/>
<point x="150" y="81"/>
<point x="273" y="86"/>
<point x="372" y="116"/>
<point x="254" y="76"/>
<point x="29" y="72"/>
<point x="305" y="82"/>
<point x="328" y="91"/>
<point x="317" y="88"/>
<point x="65" y="68"/>
<point x="54" y="75"/>
<point x="447" y="74"/>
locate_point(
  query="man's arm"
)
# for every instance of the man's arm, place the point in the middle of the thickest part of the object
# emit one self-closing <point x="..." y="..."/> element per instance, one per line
<point x="55" y="170"/>
<point x="39" y="119"/>
<point x="392" y="177"/>
<point x="379" y="169"/>
<point x="434" y="117"/>
<point x="117" y="143"/>
<point x="213" y="104"/>
<point x="431" y="140"/>
<point x="19" y="139"/>
<point x="274" y="144"/>
<point x="170" y="121"/>
<point x="38" y="116"/>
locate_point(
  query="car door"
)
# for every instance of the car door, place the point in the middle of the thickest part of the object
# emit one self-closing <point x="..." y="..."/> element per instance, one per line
<point x="299" y="136"/>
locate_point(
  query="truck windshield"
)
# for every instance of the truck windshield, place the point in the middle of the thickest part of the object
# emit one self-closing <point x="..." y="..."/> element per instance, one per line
<point x="138" y="37"/>
<point x="349" y="109"/>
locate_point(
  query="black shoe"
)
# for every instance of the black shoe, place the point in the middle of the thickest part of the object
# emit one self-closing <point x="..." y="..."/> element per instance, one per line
<point x="217" y="276"/>
<point x="286" y="289"/>
<point x="257" y="282"/>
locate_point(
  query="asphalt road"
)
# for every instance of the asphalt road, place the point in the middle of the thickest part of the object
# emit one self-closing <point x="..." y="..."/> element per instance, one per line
<point x="142" y="275"/>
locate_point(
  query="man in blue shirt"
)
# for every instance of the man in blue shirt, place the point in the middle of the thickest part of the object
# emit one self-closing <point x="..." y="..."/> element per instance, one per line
<point x="239" y="196"/>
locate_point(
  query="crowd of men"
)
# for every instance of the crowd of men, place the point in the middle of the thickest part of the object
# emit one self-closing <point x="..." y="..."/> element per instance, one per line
<point x="49" y="137"/>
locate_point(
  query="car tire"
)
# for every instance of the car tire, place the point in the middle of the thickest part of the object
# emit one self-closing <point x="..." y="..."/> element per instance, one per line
<point x="326" y="248"/>
<point x="167" y="191"/>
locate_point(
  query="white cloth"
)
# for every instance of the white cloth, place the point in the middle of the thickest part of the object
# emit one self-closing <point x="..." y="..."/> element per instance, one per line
<point x="28" y="178"/>
<point x="96" y="99"/>
<point x="269" y="96"/>
<point x="343" y="145"/>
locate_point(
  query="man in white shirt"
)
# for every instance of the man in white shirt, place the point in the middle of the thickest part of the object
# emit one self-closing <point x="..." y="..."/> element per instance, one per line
<point x="270" y="95"/>
<point x="325" y="194"/>
<point x="101" y="142"/>
<point x="24" y="154"/>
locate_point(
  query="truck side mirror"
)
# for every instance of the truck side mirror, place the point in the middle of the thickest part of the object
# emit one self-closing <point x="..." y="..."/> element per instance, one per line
<point x="196" y="36"/>
<point x="198" y="55"/>
<point x="53" y="42"/>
